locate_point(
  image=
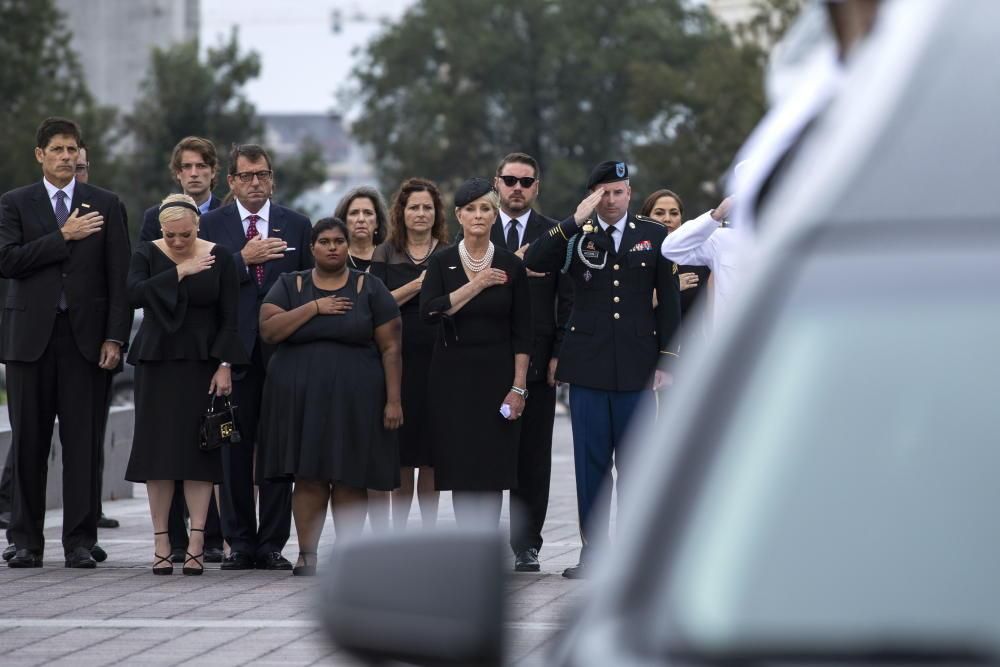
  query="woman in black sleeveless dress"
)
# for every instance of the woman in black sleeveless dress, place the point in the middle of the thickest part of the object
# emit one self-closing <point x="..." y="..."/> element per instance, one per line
<point x="331" y="400"/>
<point x="417" y="232"/>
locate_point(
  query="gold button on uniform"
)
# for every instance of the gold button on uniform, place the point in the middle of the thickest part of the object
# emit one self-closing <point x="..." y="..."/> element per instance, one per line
<point x="572" y="328"/>
<point x="644" y="263"/>
<point x="615" y="267"/>
<point x="617" y="316"/>
<point x="617" y="299"/>
<point x="616" y="283"/>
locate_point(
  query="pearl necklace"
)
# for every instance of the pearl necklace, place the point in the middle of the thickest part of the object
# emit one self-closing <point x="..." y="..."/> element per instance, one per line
<point x="475" y="265"/>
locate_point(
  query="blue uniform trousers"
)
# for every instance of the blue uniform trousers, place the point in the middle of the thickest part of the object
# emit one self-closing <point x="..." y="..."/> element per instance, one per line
<point x="599" y="419"/>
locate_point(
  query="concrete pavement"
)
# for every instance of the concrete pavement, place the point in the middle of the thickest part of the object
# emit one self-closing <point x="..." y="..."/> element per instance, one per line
<point x="121" y="614"/>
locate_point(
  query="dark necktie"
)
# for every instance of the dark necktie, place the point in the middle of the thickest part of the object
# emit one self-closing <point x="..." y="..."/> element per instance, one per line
<point x="610" y="231"/>
<point x="258" y="269"/>
<point x="62" y="215"/>
<point x="62" y="212"/>
<point x="512" y="239"/>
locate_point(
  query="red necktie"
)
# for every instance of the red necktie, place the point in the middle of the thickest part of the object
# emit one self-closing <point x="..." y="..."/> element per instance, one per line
<point x="258" y="269"/>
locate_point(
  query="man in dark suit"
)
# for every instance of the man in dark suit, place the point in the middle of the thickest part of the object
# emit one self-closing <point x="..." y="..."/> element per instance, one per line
<point x="194" y="164"/>
<point x="64" y="248"/>
<point x="517" y="225"/>
<point x="616" y="338"/>
<point x="267" y="240"/>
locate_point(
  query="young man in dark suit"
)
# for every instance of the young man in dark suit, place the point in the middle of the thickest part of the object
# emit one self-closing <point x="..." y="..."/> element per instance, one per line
<point x="194" y="164"/>
<point x="616" y="338"/>
<point x="267" y="240"/>
<point x="518" y="225"/>
<point x="64" y="248"/>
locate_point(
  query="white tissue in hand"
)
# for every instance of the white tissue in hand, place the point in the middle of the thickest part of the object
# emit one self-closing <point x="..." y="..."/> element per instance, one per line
<point x="505" y="411"/>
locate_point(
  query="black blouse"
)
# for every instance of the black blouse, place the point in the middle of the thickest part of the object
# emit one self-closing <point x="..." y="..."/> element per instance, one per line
<point x="497" y="314"/>
<point x="194" y="318"/>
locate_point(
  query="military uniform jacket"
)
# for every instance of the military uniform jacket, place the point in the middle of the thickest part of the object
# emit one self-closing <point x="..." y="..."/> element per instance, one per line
<point x="615" y="338"/>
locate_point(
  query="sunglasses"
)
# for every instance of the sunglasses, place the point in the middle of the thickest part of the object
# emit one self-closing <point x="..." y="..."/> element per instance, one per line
<point x="525" y="181"/>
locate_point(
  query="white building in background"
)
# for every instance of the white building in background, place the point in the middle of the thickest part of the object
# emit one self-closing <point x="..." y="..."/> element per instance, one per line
<point x="733" y="12"/>
<point x="114" y="38"/>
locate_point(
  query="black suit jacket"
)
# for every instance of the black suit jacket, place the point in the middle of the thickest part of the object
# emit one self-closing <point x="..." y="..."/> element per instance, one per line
<point x="615" y="338"/>
<point x="224" y="226"/>
<point x="41" y="265"/>
<point x="150" y="230"/>
<point x="551" y="298"/>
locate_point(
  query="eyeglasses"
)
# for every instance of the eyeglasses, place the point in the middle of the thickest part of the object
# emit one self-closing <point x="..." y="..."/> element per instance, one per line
<point x="525" y="181"/>
<point x="80" y="168"/>
<point x="247" y="176"/>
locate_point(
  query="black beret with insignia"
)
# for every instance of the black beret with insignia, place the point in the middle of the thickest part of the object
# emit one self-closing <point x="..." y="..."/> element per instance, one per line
<point x="471" y="190"/>
<point x="607" y="172"/>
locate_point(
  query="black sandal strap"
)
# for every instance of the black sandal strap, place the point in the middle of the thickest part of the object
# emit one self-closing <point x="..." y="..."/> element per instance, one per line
<point x="162" y="559"/>
<point x="162" y="532"/>
<point x="200" y="530"/>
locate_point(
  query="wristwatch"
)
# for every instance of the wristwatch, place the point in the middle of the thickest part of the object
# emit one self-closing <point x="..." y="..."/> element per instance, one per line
<point x="523" y="393"/>
<point x="225" y="364"/>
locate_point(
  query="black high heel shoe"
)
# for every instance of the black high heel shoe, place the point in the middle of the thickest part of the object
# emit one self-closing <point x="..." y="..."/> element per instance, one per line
<point x="305" y="570"/>
<point x="162" y="559"/>
<point x="188" y="557"/>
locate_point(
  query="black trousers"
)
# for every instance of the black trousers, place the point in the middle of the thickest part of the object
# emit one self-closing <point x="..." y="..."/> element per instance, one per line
<point x="529" y="502"/>
<point x="239" y="516"/>
<point x="177" y="521"/>
<point x="61" y="383"/>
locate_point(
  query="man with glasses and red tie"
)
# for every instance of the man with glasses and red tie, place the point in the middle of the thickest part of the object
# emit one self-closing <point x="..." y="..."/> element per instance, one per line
<point x="517" y="225"/>
<point x="267" y="240"/>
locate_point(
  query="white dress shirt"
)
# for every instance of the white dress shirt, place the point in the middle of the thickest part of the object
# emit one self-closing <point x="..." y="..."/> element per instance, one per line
<point x="263" y="214"/>
<point x="619" y="229"/>
<point x="702" y="242"/>
<point x="52" y="190"/>
<point x="522" y="225"/>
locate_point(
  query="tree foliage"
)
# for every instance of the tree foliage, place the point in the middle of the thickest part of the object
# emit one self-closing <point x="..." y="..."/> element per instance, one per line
<point x="451" y="87"/>
<point x="40" y="76"/>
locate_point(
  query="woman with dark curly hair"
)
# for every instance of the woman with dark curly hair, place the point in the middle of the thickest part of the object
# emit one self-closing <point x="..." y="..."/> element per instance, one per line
<point x="417" y="231"/>
<point x="367" y="224"/>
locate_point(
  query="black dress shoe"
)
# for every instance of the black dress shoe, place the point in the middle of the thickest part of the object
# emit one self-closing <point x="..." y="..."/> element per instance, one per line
<point x="237" y="561"/>
<point x="527" y="561"/>
<point x="213" y="555"/>
<point x="80" y="558"/>
<point x="98" y="554"/>
<point x="25" y="558"/>
<point x="107" y="522"/>
<point x="578" y="571"/>
<point x="177" y="554"/>
<point x="273" y="561"/>
<point x="9" y="552"/>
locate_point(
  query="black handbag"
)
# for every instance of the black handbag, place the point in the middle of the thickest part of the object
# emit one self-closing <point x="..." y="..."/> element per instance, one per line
<point x="218" y="427"/>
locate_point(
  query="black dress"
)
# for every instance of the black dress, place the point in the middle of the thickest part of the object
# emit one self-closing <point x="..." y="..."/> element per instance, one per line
<point x="324" y="396"/>
<point x="475" y="448"/>
<point x="359" y="263"/>
<point x="188" y="327"/>
<point x="395" y="269"/>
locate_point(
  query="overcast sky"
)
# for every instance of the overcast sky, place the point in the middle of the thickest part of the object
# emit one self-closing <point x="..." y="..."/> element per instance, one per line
<point x="303" y="62"/>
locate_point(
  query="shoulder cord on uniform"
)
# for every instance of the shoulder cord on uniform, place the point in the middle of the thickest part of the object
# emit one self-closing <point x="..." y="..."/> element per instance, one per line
<point x="569" y="254"/>
<point x="587" y="262"/>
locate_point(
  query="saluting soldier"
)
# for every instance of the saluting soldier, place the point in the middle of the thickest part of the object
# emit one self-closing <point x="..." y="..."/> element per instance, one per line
<point x="615" y="338"/>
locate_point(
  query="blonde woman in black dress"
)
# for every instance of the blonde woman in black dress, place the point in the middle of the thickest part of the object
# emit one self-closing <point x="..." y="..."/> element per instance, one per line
<point x="188" y="290"/>
<point x="478" y="295"/>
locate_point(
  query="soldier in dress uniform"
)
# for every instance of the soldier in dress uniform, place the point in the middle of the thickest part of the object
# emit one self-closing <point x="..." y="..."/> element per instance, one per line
<point x="616" y="338"/>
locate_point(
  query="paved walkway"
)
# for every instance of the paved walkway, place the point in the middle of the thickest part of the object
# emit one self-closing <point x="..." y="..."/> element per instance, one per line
<point x="121" y="614"/>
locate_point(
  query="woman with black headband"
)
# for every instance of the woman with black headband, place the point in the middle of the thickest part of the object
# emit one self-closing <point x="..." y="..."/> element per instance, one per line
<point x="478" y="293"/>
<point x="188" y="289"/>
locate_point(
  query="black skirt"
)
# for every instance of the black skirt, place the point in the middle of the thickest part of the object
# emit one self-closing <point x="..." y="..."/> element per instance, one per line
<point x="170" y="397"/>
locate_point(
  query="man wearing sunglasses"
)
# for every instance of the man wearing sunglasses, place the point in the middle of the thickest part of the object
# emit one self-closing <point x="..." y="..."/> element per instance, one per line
<point x="268" y="240"/>
<point x="517" y="225"/>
